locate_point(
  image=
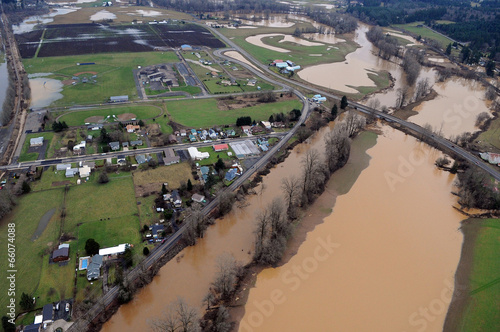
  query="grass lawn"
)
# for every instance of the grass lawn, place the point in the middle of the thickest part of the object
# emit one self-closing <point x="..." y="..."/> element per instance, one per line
<point x="425" y="33"/>
<point x="482" y="312"/>
<point x="205" y="113"/>
<point x="51" y="178"/>
<point x="490" y="139"/>
<point x="114" y="74"/>
<point x="146" y="212"/>
<point x="92" y="201"/>
<point x="214" y="156"/>
<point x="31" y="256"/>
<point x="142" y="112"/>
<point x="25" y="156"/>
<point x="172" y="174"/>
<point x="109" y="233"/>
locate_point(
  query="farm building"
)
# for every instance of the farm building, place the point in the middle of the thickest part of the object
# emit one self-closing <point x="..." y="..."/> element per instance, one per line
<point x="94" y="268"/>
<point x="47" y="313"/>
<point x="244" y="149"/>
<point x="119" y="249"/>
<point x="198" y="198"/>
<point x="197" y="155"/>
<point x="170" y="157"/>
<point x="318" y="98"/>
<point x="118" y="99"/>
<point x="114" y="146"/>
<point x="220" y="147"/>
<point x="281" y="65"/>
<point x="71" y="172"/>
<point x="61" y="254"/>
<point x="38" y="141"/>
<point x="266" y="124"/>
<point x="62" y="167"/>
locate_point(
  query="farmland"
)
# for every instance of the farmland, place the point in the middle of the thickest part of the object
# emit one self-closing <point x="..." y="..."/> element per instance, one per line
<point x="205" y="113"/>
<point x="91" y="38"/>
<point x="418" y="29"/>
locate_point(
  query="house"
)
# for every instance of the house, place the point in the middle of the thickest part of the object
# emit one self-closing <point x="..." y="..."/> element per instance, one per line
<point x="118" y="99"/>
<point x="119" y="249"/>
<point x="231" y="174"/>
<point x="60" y="254"/>
<point x="84" y="171"/>
<point x="32" y="328"/>
<point x="257" y="130"/>
<point x="157" y="230"/>
<point x="114" y="146"/>
<point x="38" y="141"/>
<point x="198" y="198"/>
<point x="197" y="155"/>
<point x="176" y="199"/>
<point x="281" y="65"/>
<point x="278" y="125"/>
<point x="266" y="124"/>
<point x="192" y="138"/>
<point x="71" y="172"/>
<point x="94" y="268"/>
<point x="170" y="157"/>
<point x="136" y="143"/>
<point x="90" y="164"/>
<point x="90" y="138"/>
<point x="275" y="62"/>
<point x="183" y="132"/>
<point x="246" y="129"/>
<point x="172" y="139"/>
<point x="212" y="134"/>
<point x="252" y="82"/>
<point x="318" y="98"/>
<point x="220" y="147"/>
<point x="204" y="172"/>
<point x="125" y="145"/>
<point x="193" y="132"/>
<point x="47" y="313"/>
<point x="492" y="158"/>
<point x="142" y="158"/>
<point x="167" y="197"/>
<point x="132" y="128"/>
<point x="121" y="160"/>
<point x="62" y="167"/>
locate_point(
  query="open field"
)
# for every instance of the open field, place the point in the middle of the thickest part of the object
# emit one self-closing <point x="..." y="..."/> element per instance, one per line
<point x="173" y="175"/>
<point x="298" y="53"/>
<point x="142" y="112"/>
<point x="205" y="113"/>
<point x="114" y="74"/>
<point x="92" y="201"/>
<point x="489" y="140"/>
<point x="424" y="32"/>
<point x="481" y="311"/>
<point x="92" y="38"/>
<point x="29" y="156"/>
<point x="31" y="255"/>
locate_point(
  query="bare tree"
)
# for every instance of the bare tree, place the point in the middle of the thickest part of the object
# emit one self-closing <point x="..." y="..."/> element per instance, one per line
<point x="402" y="96"/>
<point x="228" y="270"/>
<point x="337" y="147"/>
<point x="261" y="233"/>
<point x="422" y="89"/>
<point x="194" y="224"/>
<point x="291" y="191"/>
<point x="178" y="317"/>
<point x="481" y="118"/>
<point x="490" y="93"/>
<point x="411" y="67"/>
<point x="354" y="122"/>
<point x="226" y="200"/>
<point x="222" y="321"/>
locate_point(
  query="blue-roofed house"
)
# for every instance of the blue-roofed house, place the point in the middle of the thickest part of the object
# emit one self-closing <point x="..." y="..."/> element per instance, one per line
<point x="231" y="174"/>
<point x="135" y="143"/>
<point x="192" y="138"/>
<point x="142" y="158"/>
<point x="204" y="172"/>
<point x="114" y="146"/>
<point x="193" y="132"/>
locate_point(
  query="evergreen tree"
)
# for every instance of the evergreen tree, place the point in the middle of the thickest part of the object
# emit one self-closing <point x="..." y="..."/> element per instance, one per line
<point x="334" y="111"/>
<point x="189" y="185"/>
<point x="219" y="165"/>
<point x="448" y="49"/>
<point x="343" y="102"/>
<point x="26" y="302"/>
<point x="163" y="189"/>
<point x="26" y="187"/>
<point x="92" y="247"/>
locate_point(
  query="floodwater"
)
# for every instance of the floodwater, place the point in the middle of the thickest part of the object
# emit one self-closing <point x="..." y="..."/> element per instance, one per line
<point x="29" y="23"/>
<point x="102" y="15"/>
<point x="383" y="260"/>
<point x="456" y="108"/>
<point x="238" y="56"/>
<point x="44" y="91"/>
<point x="273" y="22"/>
<point x="353" y="71"/>
<point x="257" y="40"/>
<point x="146" y="13"/>
<point x="190" y="273"/>
<point x="4" y="82"/>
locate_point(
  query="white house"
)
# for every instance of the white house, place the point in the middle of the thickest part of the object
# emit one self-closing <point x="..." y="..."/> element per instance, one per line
<point x="197" y="155"/>
<point x="80" y="146"/>
<point x="84" y="171"/>
<point x="266" y="124"/>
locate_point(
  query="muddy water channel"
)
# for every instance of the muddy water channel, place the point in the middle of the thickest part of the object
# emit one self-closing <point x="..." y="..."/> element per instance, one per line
<point x="190" y="273"/>
<point x="383" y="260"/>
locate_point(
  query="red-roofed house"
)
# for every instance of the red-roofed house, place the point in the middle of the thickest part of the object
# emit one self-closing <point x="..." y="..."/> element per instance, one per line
<point x="132" y="128"/>
<point x="220" y="147"/>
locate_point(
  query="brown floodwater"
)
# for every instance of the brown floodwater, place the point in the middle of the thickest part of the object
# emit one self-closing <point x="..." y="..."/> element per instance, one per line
<point x="190" y="273"/>
<point x="456" y="108"/>
<point x="383" y="260"/>
<point x="238" y="56"/>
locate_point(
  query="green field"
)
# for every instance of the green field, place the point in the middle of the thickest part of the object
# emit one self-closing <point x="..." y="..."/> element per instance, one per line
<point x="142" y="112"/>
<point x="424" y="33"/>
<point x="205" y="113"/>
<point x="482" y="312"/>
<point x="298" y="53"/>
<point x="29" y="156"/>
<point x="114" y="74"/>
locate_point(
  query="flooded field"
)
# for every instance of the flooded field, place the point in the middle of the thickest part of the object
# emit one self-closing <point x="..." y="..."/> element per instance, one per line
<point x="31" y="22"/>
<point x="44" y="91"/>
<point x="4" y="83"/>
<point x="238" y="56"/>
<point x="456" y="108"/>
<point x="387" y="252"/>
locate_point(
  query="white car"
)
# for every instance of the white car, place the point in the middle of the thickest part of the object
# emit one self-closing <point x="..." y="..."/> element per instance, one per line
<point x="67" y="307"/>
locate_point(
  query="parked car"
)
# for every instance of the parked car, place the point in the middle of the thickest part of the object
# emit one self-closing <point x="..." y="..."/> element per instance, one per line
<point x="67" y="307"/>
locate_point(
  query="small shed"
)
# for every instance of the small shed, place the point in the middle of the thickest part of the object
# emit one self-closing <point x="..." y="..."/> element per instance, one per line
<point x="37" y="141"/>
